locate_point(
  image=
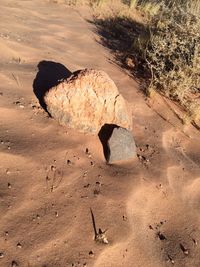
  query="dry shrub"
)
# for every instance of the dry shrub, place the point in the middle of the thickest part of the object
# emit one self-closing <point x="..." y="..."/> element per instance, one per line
<point x="167" y="47"/>
<point x="173" y="56"/>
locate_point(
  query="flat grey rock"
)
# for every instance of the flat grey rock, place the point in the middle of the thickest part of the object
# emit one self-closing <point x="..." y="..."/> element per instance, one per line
<point x="121" y="145"/>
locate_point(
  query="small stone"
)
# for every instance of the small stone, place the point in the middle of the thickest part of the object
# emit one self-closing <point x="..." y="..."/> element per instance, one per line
<point x="7" y="171"/>
<point x="14" y="264"/>
<point x="124" y="218"/>
<point x="19" y="245"/>
<point x="91" y="253"/>
<point x="1" y="255"/>
<point x="69" y="162"/>
<point x="9" y="185"/>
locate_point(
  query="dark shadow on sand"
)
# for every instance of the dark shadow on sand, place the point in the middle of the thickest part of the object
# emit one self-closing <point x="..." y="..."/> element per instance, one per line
<point x="104" y="135"/>
<point x="49" y="75"/>
<point x="123" y="37"/>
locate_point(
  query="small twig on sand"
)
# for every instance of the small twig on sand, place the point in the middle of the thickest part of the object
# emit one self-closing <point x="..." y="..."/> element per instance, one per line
<point x="98" y="236"/>
<point x="16" y="78"/>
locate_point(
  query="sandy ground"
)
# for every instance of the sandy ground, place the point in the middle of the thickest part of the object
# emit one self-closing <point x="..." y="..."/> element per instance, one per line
<point x="150" y="206"/>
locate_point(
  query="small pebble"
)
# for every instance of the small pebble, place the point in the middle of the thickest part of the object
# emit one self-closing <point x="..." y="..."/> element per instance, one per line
<point x="124" y="218"/>
<point x="99" y="183"/>
<point x="9" y="185"/>
<point x="14" y="264"/>
<point x="53" y="168"/>
<point x="86" y="186"/>
<point x="69" y="162"/>
<point x="19" y="245"/>
<point x="1" y="255"/>
<point x="91" y="253"/>
<point x="85" y="174"/>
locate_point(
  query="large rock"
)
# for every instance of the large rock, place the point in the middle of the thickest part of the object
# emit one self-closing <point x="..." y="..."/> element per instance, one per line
<point x="86" y="101"/>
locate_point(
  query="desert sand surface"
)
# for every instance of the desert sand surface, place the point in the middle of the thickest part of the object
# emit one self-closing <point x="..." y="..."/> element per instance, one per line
<point x="150" y="206"/>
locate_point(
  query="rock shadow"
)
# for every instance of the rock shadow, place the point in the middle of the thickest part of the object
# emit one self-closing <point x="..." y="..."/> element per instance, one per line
<point x="49" y="75"/>
<point x="104" y="135"/>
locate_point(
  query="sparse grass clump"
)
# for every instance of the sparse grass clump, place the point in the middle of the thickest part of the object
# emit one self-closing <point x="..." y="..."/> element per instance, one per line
<point x="166" y="45"/>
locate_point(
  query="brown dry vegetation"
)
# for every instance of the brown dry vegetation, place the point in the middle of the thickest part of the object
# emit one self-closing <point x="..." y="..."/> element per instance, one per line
<point x="158" y="40"/>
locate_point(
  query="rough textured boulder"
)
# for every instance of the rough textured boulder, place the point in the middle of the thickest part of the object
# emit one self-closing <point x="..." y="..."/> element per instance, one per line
<point x="86" y="101"/>
<point x="120" y="145"/>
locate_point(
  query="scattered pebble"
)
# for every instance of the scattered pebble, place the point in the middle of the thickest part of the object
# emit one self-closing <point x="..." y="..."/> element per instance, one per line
<point x="14" y="264"/>
<point x="86" y="186"/>
<point x="9" y="185"/>
<point x="53" y="168"/>
<point x="85" y="174"/>
<point x="84" y="196"/>
<point x="1" y="255"/>
<point x="19" y="245"/>
<point x="170" y="259"/>
<point x="161" y="236"/>
<point x="194" y="240"/>
<point x="124" y="218"/>
<point x="185" y="250"/>
<point x="56" y="214"/>
<point x="91" y="253"/>
<point x="69" y="162"/>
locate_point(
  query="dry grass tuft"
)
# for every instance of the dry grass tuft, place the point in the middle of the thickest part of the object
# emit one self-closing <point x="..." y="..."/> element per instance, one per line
<point x="173" y="56"/>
